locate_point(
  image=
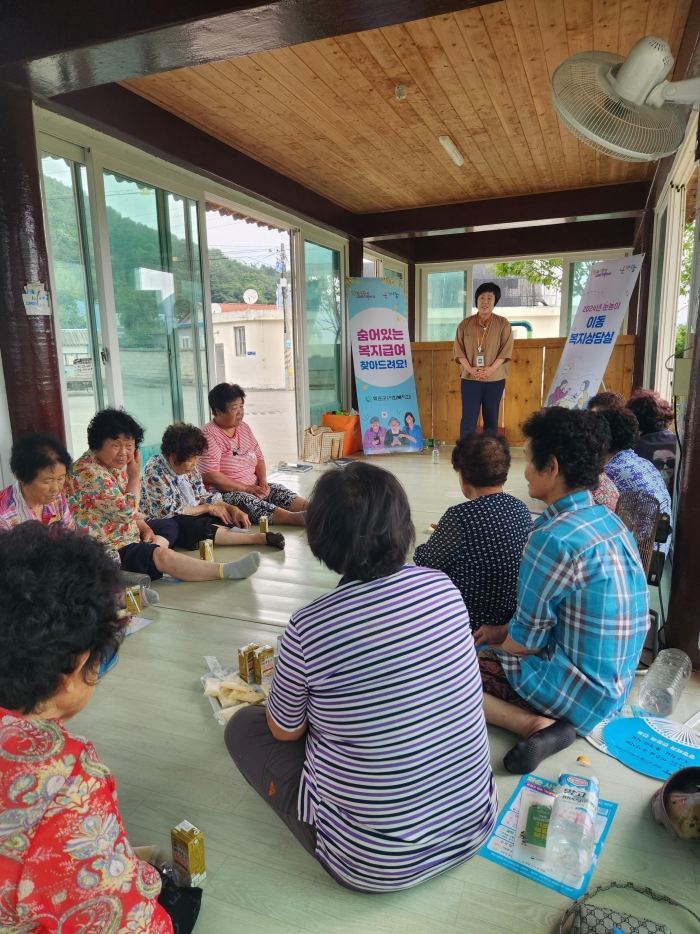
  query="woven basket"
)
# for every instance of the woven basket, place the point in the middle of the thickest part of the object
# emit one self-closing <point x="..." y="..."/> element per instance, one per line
<point x="322" y="444"/>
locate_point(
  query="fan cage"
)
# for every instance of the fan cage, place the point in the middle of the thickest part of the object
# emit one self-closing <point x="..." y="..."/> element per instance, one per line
<point x="590" y="108"/>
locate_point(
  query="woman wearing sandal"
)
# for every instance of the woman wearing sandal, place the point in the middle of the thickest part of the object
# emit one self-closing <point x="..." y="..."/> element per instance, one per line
<point x="172" y="488"/>
<point x="567" y="658"/>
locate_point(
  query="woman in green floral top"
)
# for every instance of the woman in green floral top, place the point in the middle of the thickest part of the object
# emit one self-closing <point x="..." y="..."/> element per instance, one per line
<point x="103" y="489"/>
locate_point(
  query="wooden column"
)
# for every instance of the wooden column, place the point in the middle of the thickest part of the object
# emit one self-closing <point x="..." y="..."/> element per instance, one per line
<point x="355" y="254"/>
<point x="684" y="608"/>
<point x="639" y="302"/>
<point x="27" y="342"/>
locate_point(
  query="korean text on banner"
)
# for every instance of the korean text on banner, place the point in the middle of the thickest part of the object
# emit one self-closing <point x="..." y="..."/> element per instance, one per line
<point x="381" y="351"/>
<point x="594" y="331"/>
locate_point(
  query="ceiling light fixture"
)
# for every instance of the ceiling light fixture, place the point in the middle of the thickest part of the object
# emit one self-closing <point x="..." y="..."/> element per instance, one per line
<point x="401" y="91"/>
<point x="451" y="150"/>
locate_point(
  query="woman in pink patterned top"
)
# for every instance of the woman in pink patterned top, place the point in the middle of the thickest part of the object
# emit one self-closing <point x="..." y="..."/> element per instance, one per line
<point x="39" y="462"/>
<point x="234" y="465"/>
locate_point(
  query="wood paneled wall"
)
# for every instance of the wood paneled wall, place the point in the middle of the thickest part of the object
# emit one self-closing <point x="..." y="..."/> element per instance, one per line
<point x="531" y="371"/>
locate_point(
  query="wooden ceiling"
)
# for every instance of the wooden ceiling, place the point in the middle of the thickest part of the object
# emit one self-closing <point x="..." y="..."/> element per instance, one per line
<point x="325" y="113"/>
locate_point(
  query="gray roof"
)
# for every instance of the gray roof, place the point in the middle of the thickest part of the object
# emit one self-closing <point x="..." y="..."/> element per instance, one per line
<point x="75" y="337"/>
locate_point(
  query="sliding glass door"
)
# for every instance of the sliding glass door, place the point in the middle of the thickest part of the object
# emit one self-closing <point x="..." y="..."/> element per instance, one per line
<point x="75" y="292"/>
<point x="156" y="270"/>
<point x="323" y="329"/>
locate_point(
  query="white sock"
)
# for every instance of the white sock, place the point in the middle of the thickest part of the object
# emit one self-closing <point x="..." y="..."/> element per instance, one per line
<point x="236" y="570"/>
<point x="149" y="597"/>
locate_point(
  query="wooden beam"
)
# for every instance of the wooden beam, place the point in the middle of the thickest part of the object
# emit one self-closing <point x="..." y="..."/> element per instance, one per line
<point x="121" y="113"/>
<point x="551" y="239"/>
<point x="604" y="202"/>
<point x="355" y="256"/>
<point x="70" y="44"/>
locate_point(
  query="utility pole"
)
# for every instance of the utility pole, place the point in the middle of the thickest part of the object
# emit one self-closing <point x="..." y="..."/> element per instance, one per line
<point x="288" y="339"/>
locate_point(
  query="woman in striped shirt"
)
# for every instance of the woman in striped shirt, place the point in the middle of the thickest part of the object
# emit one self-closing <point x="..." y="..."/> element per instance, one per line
<point x="379" y="769"/>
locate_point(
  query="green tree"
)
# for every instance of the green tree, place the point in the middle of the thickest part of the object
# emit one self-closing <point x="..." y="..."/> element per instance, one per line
<point x="230" y="278"/>
<point x="680" y="339"/>
<point x="687" y="259"/>
<point x="546" y="272"/>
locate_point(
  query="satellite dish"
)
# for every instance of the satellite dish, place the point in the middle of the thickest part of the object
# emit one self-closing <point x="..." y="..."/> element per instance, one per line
<point x="623" y="107"/>
<point x="250" y="296"/>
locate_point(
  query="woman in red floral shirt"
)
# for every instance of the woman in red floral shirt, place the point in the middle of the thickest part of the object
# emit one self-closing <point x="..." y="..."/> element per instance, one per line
<point x="65" y="861"/>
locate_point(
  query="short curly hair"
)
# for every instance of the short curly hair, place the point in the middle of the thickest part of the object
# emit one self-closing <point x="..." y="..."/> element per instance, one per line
<point x="603" y="400"/>
<point x="578" y="440"/>
<point x="623" y="426"/>
<point x="359" y="522"/>
<point x="110" y="423"/>
<point x="482" y="460"/>
<point x="183" y="441"/>
<point x="59" y="594"/>
<point x="651" y="411"/>
<point x="223" y="394"/>
<point x="34" y="452"/>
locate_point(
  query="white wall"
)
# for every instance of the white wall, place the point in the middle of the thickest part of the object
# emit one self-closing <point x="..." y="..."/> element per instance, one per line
<point x="263" y="365"/>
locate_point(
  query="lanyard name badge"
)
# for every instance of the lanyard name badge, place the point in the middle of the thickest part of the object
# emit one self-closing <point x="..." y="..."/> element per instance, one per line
<point x="480" y="362"/>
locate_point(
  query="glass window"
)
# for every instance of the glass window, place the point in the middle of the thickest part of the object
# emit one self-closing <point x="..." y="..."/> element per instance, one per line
<point x="220" y="363"/>
<point x="446" y="304"/>
<point x="68" y="218"/>
<point x="323" y="329"/>
<point x="530" y="294"/>
<point x="369" y="268"/>
<point x="158" y="298"/>
<point x="240" y="341"/>
<point x="658" y="294"/>
<point x="391" y="273"/>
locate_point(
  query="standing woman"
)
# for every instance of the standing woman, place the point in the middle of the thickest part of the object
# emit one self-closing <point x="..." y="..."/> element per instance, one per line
<point x="483" y="348"/>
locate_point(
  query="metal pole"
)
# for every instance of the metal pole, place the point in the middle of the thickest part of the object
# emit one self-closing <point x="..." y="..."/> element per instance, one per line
<point x="288" y="349"/>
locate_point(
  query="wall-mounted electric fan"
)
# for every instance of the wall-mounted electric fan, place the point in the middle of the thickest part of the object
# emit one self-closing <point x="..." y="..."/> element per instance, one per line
<point x="623" y="106"/>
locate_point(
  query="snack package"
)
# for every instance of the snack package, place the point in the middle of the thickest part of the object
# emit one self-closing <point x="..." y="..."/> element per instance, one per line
<point x="189" y="863"/>
<point x="264" y="664"/>
<point x="206" y="550"/>
<point x="225" y="715"/>
<point x="246" y="664"/>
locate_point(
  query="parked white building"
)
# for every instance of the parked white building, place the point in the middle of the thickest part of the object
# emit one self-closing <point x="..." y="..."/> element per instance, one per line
<point x="249" y="345"/>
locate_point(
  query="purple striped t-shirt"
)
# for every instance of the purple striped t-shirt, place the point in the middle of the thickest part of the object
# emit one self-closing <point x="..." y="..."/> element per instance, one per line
<point x="397" y="778"/>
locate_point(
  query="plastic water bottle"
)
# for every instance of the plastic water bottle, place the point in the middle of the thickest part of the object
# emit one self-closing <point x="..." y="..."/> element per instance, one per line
<point x="436" y="453"/>
<point x="571" y="831"/>
<point x="663" y="684"/>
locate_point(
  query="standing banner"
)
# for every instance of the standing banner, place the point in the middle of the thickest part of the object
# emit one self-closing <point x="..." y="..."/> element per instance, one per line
<point x="381" y="352"/>
<point x="594" y="331"/>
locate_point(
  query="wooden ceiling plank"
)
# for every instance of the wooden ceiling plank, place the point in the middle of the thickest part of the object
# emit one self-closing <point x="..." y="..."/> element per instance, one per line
<point x="679" y="22"/>
<point x="523" y="15"/>
<point x="398" y="115"/>
<point x="500" y="29"/>
<point x="209" y="88"/>
<point x="552" y="20"/>
<point x="377" y="102"/>
<point x="660" y="20"/>
<point x="429" y="123"/>
<point x="579" y="37"/>
<point x="489" y="41"/>
<point x="462" y="102"/>
<point x="297" y="105"/>
<point x="334" y="88"/>
<point x="606" y="25"/>
<point x="471" y="137"/>
<point x="505" y="131"/>
<point x="633" y="21"/>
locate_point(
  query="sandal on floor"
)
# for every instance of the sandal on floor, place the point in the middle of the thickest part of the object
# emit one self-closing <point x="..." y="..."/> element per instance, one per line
<point x="275" y="539"/>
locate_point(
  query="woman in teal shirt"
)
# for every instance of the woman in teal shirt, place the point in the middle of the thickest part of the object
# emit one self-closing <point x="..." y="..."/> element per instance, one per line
<point x="412" y="432"/>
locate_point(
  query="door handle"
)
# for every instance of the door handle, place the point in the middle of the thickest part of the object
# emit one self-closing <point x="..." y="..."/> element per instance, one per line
<point x="104" y="355"/>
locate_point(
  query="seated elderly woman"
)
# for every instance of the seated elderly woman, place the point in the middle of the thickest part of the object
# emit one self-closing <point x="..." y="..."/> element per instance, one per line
<point x="103" y="491"/>
<point x="234" y="465"/>
<point x="567" y="659"/>
<point x="656" y="442"/>
<point x="627" y="470"/>
<point x="66" y="862"/>
<point x="39" y="463"/>
<point x="604" y="400"/>
<point x="172" y="488"/>
<point x="385" y="780"/>
<point x="479" y="544"/>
